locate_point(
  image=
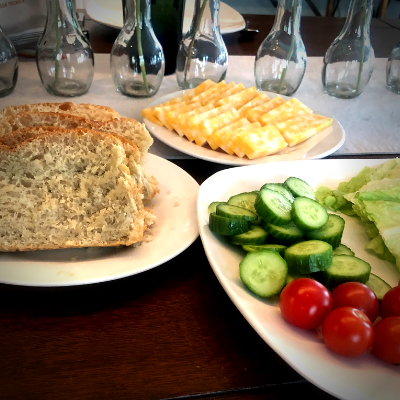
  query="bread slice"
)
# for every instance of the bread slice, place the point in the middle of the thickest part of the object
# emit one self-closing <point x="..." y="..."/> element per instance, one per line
<point x="89" y="111"/>
<point x="68" y="188"/>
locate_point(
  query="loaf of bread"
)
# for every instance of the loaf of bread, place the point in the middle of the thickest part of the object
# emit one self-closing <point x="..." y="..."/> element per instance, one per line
<point x="65" y="188"/>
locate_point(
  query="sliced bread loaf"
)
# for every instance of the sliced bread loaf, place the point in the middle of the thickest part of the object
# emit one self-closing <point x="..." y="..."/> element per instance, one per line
<point x="68" y="188"/>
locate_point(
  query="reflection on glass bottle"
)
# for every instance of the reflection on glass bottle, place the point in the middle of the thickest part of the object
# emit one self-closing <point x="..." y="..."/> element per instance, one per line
<point x="137" y="58"/>
<point x="8" y="65"/>
<point x="281" y="59"/>
<point x="349" y="60"/>
<point x="202" y="53"/>
<point x="393" y="70"/>
<point x="64" y="57"/>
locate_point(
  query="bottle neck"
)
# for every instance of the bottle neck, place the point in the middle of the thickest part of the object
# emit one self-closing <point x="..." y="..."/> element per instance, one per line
<point x="205" y="16"/>
<point x="137" y="10"/>
<point x="288" y="16"/>
<point x="358" y="19"/>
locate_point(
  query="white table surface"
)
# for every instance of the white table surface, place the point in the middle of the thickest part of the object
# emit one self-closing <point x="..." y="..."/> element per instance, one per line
<point x="371" y="121"/>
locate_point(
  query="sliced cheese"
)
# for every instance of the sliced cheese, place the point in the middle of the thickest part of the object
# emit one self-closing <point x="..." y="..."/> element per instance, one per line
<point x="230" y="144"/>
<point x="214" y="99"/>
<point x="190" y="94"/>
<point x="260" y="142"/>
<point x="222" y="135"/>
<point x="172" y="116"/>
<point x="257" y="101"/>
<point x="199" y="98"/>
<point x="300" y="128"/>
<point x="161" y="112"/>
<point x="288" y="110"/>
<point x="254" y="114"/>
<point x="239" y="99"/>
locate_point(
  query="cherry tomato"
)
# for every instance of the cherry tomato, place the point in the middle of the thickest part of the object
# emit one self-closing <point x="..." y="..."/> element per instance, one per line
<point x="386" y="344"/>
<point x="348" y="332"/>
<point x="305" y="303"/>
<point x="357" y="295"/>
<point x="390" y="304"/>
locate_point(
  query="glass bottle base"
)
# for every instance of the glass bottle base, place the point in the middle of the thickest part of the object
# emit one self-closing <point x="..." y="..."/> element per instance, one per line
<point x="394" y="86"/>
<point x="137" y="89"/>
<point x="67" y="88"/>
<point x="342" y="91"/>
<point x="5" y="87"/>
<point x="275" y="86"/>
<point x="191" y="83"/>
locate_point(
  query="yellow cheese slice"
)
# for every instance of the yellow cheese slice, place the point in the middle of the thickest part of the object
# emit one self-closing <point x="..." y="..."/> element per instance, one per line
<point x="260" y="142"/>
<point x="172" y="116"/>
<point x="254" y="114"/>
<point x="222" y="135"/>
<point x="290" y="109"/>
<point x="300" y="128"/>
<point x="190" y="94"/>
<point x="211" y="125"/>
<point x="239" y="99"/>
<point x="214" y="99"/>
<point x="257" y="101"/>
<point x="195" y="123"/>
<point x="161" y="112"/>
<point x="209" y="92"/>
<point x="180" y="124"/>
<point x="229" y="144"/>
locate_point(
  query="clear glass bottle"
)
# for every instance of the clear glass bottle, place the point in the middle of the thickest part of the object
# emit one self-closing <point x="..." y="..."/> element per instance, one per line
<point x="393" y="70"/>
<point x="202" y="53"/>
<point x="64" y="57"/>
<point x="281" y="59"/>
<point x="137" y="58"/>
<point x="349" y="60"/>
<point x="8" y="65"/>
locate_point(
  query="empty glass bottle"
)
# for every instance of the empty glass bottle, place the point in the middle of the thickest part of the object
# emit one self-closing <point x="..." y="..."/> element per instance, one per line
<point x="202" y="53"/>
<point x="349" y="60"/>
<point x="393" y="70"/>
<point x="281" y="58"/>
<point x="137" y="58"/>
<point x="8" y="65"/>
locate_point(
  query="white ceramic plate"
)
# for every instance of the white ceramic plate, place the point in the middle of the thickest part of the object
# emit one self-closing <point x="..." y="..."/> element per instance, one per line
<point x="175" y="229"/>
<point x="318" y="146"/>
<point x="361" y="378"/>
<point x="110" y="13"/>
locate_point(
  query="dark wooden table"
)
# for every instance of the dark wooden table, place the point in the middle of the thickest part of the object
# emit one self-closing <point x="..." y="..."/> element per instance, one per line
<point x="168" y="333"/>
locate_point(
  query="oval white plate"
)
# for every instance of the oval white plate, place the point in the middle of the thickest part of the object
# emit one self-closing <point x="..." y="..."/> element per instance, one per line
<point x="110" y="13"/>
<point x="175" y="230"/>
<point x="361" y="378"/>
<point x="318" y="146"/>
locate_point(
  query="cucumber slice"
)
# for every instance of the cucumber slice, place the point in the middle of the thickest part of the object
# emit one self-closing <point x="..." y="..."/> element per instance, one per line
<point x="263" y="272"/>
<point x="212" y="208"/>
<point x="279" y="248"/>
<point x="256" y="235"/>
<point x="308" y="214"/>
<point x="331" y="232"/>
<point x="228" y="226"/>
<point x="273" y="207"/>
<point x="279" y="187"/>
<point x="299" y="188"/>
<point x="308" y="256"/>
<point x="286" y="233"/>
<point x="245" y="200"/>
<point x="378" y="285"/>
<point x="343" y="249"/>
<point x="346" y="269"/>
<point x="227" y="210"/>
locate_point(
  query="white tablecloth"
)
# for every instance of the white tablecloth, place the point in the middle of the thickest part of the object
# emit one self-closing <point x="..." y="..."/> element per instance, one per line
<point x="371" y="121"/>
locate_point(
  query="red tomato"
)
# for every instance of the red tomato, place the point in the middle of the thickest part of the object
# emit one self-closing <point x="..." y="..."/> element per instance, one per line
<point x="386" y="344"/>
<point x="390" y="304"/>
<point x="357" y="295"/>
<point x="348" y="332"/>
<point x="305" y="303"/>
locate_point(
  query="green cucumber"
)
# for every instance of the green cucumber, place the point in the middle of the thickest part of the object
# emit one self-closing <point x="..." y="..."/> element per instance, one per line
<point x="228" y="226"/>
<point x="299" y="188"/>
<point x="343" y="249"/>
<point x="331" y="232"/>
<point x="279" y="248"/>
<point x="245" y="200"/>
<point x="279" y="187"/>
<point x="346" y="269"/>
<point x="256" y="235"/>
<point x="229" y="211"/>
<point x="273" y="207"/>
<point x="308" y="214"/>
<point x="308" y="256"/>
<point x="289" y="233"/>
<point x="378" y="285"/>
<point x="212" y="208"/>
<point x="263" y="272"/>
